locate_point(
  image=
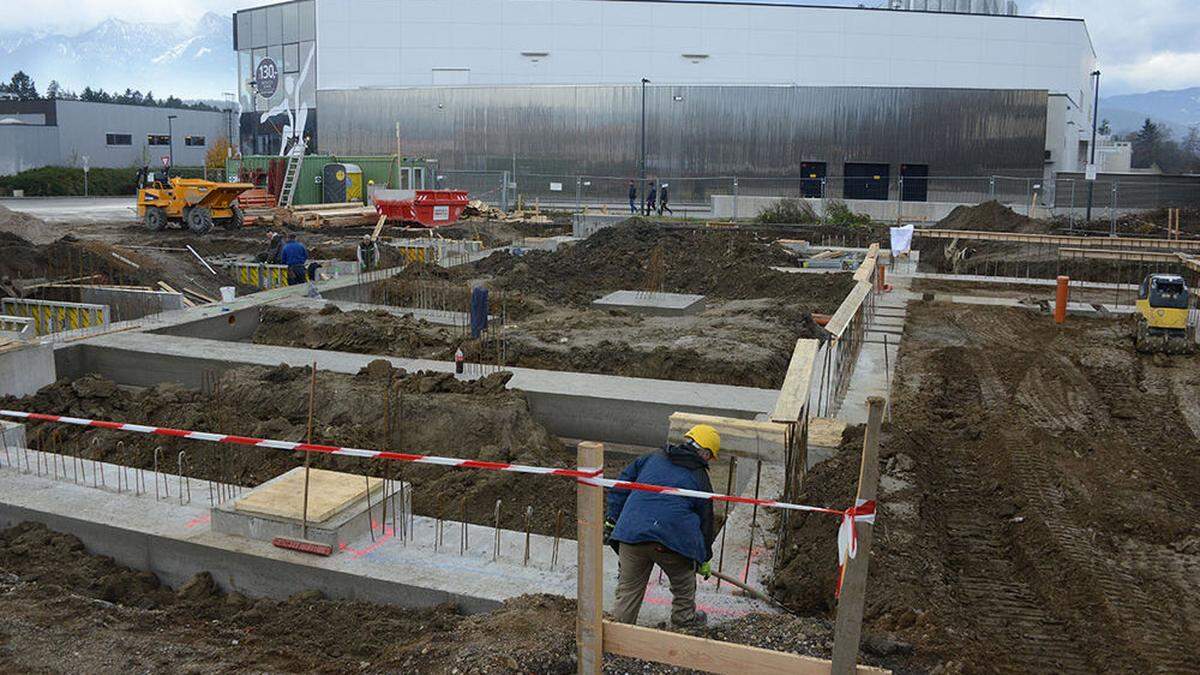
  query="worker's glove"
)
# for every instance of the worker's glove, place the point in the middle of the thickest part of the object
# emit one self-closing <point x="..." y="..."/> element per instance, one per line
<point x="705" y="570"/>
<point x="609" y="526"/>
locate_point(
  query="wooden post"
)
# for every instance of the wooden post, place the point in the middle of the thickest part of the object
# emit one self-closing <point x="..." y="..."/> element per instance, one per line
<point x="848" y="629"/>
<point x="589" y="627"/>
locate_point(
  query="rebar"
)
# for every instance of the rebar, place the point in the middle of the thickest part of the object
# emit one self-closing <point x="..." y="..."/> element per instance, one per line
<point x="54" y="451"/>
<point x="558" y="517"/>
<point x="753" y="522"/>
<point x="725" y="517"/>
<point x="496" y="546"/>
<point x="184" y="481"/>
<point x="312" y="386"/>
<point x="157" y="450"/>
<point x="528" y="516"/>
<point x="462" y="542"/>
<point x="370" y="511"/>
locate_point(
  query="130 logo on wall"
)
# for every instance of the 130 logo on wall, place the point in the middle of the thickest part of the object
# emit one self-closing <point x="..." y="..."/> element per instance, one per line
<point x="266" y="77"/>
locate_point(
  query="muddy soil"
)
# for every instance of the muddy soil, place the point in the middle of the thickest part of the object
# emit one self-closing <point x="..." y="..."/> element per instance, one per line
<point x="639" y="255"/>
<point x="65" y="610"/>
<point x="742" y="342"/>
<point x="1037" y="496"/>
<point x="992" y="217"/>
<point x="431" y="414"/>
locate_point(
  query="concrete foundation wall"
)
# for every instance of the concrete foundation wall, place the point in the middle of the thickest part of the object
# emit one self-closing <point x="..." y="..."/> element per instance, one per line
<point x="128" y="304"/>
<point x="575" y="405"/>
<point x="723" y="207"/>
<point x="25" y="370"/>
<point x="234" y="325"/>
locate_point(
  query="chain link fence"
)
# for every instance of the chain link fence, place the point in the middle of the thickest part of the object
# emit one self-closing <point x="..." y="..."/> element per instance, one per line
<point x="1065" y="195"/>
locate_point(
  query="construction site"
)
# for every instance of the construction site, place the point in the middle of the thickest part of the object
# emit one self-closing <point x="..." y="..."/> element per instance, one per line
<point x="492" y="348"/>
<point x="233" y="472"/>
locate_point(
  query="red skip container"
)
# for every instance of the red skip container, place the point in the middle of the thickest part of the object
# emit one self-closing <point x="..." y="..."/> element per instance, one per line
<point x="431" y="208"/>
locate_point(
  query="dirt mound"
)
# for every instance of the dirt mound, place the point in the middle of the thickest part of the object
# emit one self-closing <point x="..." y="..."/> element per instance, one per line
<point x="642" y="256"/>
<point x="432" y="414"/>
<point x="27" y="227"/>
<point x="20" y="258"/>
<point x="1033" y="476"/>
<point x="66" y="610"/>
<point x="991" y="216"/>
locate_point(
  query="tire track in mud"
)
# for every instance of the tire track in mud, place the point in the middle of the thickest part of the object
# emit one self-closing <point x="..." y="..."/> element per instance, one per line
<point x="1004" y="609"/>
<point x="1146" y="632"/>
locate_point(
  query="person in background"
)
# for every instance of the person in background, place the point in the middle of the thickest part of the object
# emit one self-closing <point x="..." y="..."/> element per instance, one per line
<point x="650" y="198"/>
<point x="632" y="197"/>
<point x="368" y="254"/>
<point x="294" y="255"/>
<point x="274" y="249"/>
<point x="662" y="200"/>
<point x="673" y="532"/>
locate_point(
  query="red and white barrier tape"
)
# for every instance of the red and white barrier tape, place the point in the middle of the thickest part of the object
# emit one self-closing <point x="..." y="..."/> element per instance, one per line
<point x="847" y="539"/>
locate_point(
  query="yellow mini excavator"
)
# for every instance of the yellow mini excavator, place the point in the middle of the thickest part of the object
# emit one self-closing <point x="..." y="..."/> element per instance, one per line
<point x="1162" y="319"/>
<point x="194" y="203"/>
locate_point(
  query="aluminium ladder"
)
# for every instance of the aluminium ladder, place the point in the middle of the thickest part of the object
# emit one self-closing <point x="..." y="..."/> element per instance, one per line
<point x="292" y="175"/>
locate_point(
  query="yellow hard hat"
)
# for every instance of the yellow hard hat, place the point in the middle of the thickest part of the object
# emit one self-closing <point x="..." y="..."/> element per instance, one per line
<point x="706" y="437"/>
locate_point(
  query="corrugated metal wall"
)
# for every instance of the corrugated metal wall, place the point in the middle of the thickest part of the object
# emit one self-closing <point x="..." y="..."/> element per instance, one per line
<point x="752" y="131"/>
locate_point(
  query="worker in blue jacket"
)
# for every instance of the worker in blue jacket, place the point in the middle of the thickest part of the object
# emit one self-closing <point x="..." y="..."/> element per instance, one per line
<point x="294" y="255"/>
<point x="673" y="532"/>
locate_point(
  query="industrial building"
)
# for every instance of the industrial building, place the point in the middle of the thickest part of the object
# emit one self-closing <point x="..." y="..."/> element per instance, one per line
<point x="926" y="89"/>
<point x="64" y="133"/>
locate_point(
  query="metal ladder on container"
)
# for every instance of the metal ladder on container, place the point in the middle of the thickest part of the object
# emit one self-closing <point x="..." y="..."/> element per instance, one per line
<point x="292" y="175"/>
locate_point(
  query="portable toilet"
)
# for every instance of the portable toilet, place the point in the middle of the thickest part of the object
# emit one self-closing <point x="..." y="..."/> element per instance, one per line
<point x="341" y="183"/>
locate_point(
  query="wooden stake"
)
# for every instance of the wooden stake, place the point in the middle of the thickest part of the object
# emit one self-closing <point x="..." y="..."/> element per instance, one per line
<point x="589" y="630"/>
<point x="312" y="393"/>
<point x="848" y="628"/>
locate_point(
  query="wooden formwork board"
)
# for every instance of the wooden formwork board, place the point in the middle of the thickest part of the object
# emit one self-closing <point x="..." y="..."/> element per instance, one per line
<point x="1063" y="240"/>
<point x="845" y="312"/>
<point x="745" y="438"/>
<point x="1119" y="254"/>
<point x="793" y="395"/>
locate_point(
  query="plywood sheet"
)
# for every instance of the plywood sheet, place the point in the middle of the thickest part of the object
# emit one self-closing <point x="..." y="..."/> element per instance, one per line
<point x="329" y="492"/>
<point x="825" y="432"/>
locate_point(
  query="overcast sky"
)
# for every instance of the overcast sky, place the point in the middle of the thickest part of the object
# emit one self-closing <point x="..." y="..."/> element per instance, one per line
<point x="1142" y="44"/>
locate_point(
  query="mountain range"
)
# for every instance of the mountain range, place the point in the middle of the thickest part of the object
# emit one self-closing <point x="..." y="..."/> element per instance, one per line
<point x="191" y="60"/>
<point x="1178" y="109"/>
<point x="195" y="60"/>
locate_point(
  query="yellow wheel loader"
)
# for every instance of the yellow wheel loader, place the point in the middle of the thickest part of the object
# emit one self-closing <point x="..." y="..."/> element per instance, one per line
<point x="1162" y="318"/>
<point x="193" y="203"/>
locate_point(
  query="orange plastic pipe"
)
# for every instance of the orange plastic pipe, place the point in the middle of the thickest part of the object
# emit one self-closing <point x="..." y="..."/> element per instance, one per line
<point x="882" y="285"/>
<point x="821" y="319"/>
<point x="1060" y="299"/>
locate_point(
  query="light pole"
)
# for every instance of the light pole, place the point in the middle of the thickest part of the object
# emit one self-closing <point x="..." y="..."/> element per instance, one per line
<point x="642" y="171"/>
<point x="1092" y="162"/>
<point x="171" y="141"/>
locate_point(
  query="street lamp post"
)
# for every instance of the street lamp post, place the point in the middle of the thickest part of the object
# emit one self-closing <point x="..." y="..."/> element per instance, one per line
<point x="642" y="171"/>
<point x="1092" y="162"/>
<point x="171" y="140"/>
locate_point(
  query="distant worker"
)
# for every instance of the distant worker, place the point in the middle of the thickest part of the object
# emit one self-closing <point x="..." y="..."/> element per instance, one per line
<point x="662" y="200"/>
<point x="294" y="255"/>
<point x="650" y="198"/>
<point x="368" y="254"/>
<point x="274" y="249"/>
<point x="673" y="532"/>
<point x="632" y="198"/>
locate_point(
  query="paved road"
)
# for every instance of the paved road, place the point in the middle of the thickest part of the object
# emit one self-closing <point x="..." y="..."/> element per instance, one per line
<point x="74" y="209"/>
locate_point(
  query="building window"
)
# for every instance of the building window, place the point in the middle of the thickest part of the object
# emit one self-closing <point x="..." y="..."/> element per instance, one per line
<point x="194" y="140"/>
<point x="158" y="139"/>
<point x="118" y="139"/>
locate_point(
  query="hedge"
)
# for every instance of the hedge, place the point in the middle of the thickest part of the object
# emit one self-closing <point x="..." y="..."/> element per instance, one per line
<point x="61" y="181"/>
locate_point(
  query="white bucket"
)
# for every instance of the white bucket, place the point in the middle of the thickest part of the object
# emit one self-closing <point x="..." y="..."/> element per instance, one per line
<point x="228" y="293"/>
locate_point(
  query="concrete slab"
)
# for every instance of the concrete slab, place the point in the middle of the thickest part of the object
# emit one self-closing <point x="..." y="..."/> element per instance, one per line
<point x="130" y="303"/>
<point x="652" y="303"/>
<point x="574" y="405"/>
<point x="174" y="541"/>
